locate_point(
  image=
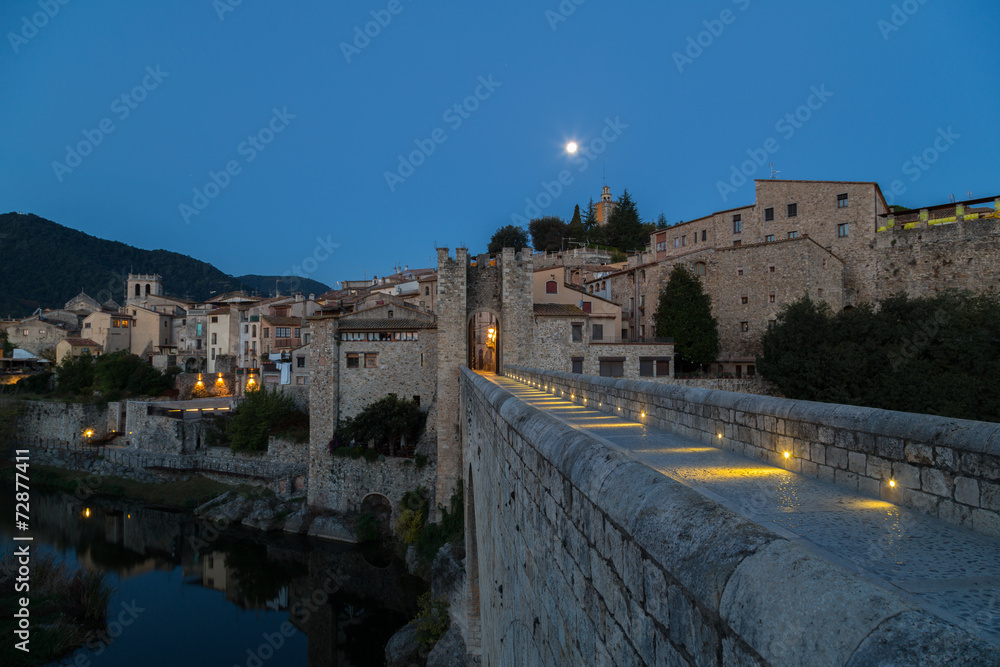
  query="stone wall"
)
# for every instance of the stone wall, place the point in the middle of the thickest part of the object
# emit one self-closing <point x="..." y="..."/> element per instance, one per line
<point x="63" y="424"/>
<point x="947" y="468"/>
<point x="452" y="321"/>
<point x="406" y="368"/>
<point x="786" y="269"/>
<point x="579" y="555"/>
<point x="927" y="259"/>
<point x="341" y="484"/>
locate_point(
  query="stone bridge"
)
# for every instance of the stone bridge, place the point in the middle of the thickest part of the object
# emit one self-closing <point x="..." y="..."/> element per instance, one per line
<point x="618" y="522"/>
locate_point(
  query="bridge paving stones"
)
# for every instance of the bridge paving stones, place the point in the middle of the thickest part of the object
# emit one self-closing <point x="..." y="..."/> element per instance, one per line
<point x="949" y="571"/>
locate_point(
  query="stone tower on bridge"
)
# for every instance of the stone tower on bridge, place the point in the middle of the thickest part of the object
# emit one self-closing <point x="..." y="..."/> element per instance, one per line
<point x="499" y="287"/>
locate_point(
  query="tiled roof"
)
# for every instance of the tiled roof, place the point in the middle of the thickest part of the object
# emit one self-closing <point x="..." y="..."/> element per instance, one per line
<point x="283" y="321"/>
<point x="558" y="310"/>
<point x="384" y="323"/>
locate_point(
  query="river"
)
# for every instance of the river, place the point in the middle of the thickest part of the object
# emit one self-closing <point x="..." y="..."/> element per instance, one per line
<point x="186" y="594"/>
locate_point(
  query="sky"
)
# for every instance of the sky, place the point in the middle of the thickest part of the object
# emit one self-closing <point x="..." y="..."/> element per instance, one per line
<point x="337" y="140"/>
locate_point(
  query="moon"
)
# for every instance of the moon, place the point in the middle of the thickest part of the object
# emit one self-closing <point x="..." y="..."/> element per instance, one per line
<point x="572" y="147"/>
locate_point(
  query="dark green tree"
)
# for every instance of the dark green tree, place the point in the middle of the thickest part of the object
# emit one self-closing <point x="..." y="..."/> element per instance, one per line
<point x="576" y="230"/>
<point x="510" y="236"/>
<point x="5" y="345"/>
<point x="590" y="218"/>
<point x="547" y="233"/>
<point x="261" y="414"/>
<point x="661" y="222"/>
<point x="386" y="422"/>
<point x="75" y="375"/>
<point x="625" y="228"/>
<point x="121" y="374"/>
<point x="938" y="354"/>
<point x="684" y="313"/>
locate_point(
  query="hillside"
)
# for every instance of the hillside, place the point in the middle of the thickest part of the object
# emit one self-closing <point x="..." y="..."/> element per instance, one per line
<point x="265" y="284"/>
<point x="44" y="264"/>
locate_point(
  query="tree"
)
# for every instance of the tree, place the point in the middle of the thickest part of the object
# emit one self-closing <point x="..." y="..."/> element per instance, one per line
<point x="684" y="313"/>
<point x="121" y="374"/>
<point x="547" y="233"/>
<point x="590" y="221"/>
<point x="5" y="344"/>
<point x="75" y="375"/>
<point x="661" y="221"/>
<point x="575" y="230"/>
<point x="937" y="355"/>
<point x="510" y="236"/>
<point x="386" y="422"/>
<point x="624" y="229"/>
<point x="261" y="414"/>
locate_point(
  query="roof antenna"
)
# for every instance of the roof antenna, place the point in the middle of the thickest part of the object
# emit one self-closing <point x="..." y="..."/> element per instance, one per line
<point x="774" y="173"/>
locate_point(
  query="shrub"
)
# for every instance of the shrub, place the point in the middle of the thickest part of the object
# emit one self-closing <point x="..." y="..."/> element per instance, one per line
<point x="432" y="619"/>
<point x="262" y="413"/>
<point x="385" y="422"/>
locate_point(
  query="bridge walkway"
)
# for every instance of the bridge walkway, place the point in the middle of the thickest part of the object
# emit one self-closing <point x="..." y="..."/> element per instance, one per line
<point x="950" y="571"/>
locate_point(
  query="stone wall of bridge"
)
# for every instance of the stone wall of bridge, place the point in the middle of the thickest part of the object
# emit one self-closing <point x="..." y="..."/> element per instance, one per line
<point x="577" y="554"/>
<point x="947" y="468"/>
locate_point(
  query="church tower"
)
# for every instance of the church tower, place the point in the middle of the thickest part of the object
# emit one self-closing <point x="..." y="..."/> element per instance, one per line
<point x="140" y="286"/>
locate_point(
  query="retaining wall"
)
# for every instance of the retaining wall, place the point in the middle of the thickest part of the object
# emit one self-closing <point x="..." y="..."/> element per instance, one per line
<point x="577" y="554"/>
<point x="947" y="468"/>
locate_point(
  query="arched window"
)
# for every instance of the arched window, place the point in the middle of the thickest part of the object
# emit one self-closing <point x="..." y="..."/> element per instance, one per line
<point x="699" y="268"/>
<point x="604" y="285"/>
<point x="147" y="289"/>
<point x="138" y="291"/>
<point x="551" y="287"/>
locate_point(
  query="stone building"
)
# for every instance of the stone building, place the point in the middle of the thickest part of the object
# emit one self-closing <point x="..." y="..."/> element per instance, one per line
<point x="39" y="334"/>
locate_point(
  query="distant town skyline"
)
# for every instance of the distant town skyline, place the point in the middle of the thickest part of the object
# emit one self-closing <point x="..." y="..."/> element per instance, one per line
<point x="257" y="137"/>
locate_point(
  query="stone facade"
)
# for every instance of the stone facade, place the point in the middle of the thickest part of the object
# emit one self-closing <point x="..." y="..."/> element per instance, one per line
<point x="947" y="468"/>
<point x="578" y="555"/>
<point x="750" y="284"/>
<point x="343" y="483"/>
<point x="38" y="335"/>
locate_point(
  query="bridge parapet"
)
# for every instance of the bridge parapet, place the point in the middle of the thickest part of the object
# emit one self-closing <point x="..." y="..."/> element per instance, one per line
<point x="582" y="555"/>
<point x="947" y="468"/>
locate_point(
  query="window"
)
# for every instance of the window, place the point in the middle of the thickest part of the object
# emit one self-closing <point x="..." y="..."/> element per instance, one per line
<point x="768" y="214"/>
<point x="646" y="367"/>
<point x="642" y="331"/>
<point x="737" y="224"/>
<point x="793" y="210"/>
<point x="246" y="328"/>
<point x="737" y="243"/>
<point x="612" y="367"/>
<point x="416" y="400"/>
<point x="604" y="284"/>
<point x="771" y="324"/>
<point x="704" y="234"/>
<point x="577" y="334"/>
<point x="198" y="328"/>
<point x="390" y="314"/>
<point x="298" y="332"/>
<point x="842" y="201"/>
<point x="306" y="339"/>
<point x="819" y="293"/>
<point x="739" y="271"/>
<point x="597" y="333"/>
<point x="197" y="344"/>
<point x="282" y="332"/>
<point x="300" y="362"/>
<point x="577" y="365"/>
<point x="588" y="306"/>
<point x="551" y="287"/>
<point x="843" y="230"/>
<point x="213" y="353"/>
<point x="751" y="370"/>
<point x="793" y="235"/>
<point x="254" y="331"/>
<point x="352" y="360"/>
<point x="86" y="325"/>
<point x="769" y="238"/>
<point x="371" y="360"/>
<point x="427" y="291"/>
<point x="662" y="366"/>
<point x="744" y="300"/>
<point x="215" y="319"/>
<point x="699" y="268"/>
<point x="770" y="268"/>
<point x="302" y="379"/>
<point x="215" y="339"/>
<point x="744" y="326"/>
<point x="771" y="297"/>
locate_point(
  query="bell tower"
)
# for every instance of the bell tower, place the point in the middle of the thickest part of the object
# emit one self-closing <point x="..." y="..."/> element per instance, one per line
<point x="140" y="286"/>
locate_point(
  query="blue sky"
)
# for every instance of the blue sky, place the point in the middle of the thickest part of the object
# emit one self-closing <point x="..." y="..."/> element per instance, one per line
<point x="309" y="117"/>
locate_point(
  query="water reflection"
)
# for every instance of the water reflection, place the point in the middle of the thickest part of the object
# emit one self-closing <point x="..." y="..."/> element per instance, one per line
<point x="232" y="597"/>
